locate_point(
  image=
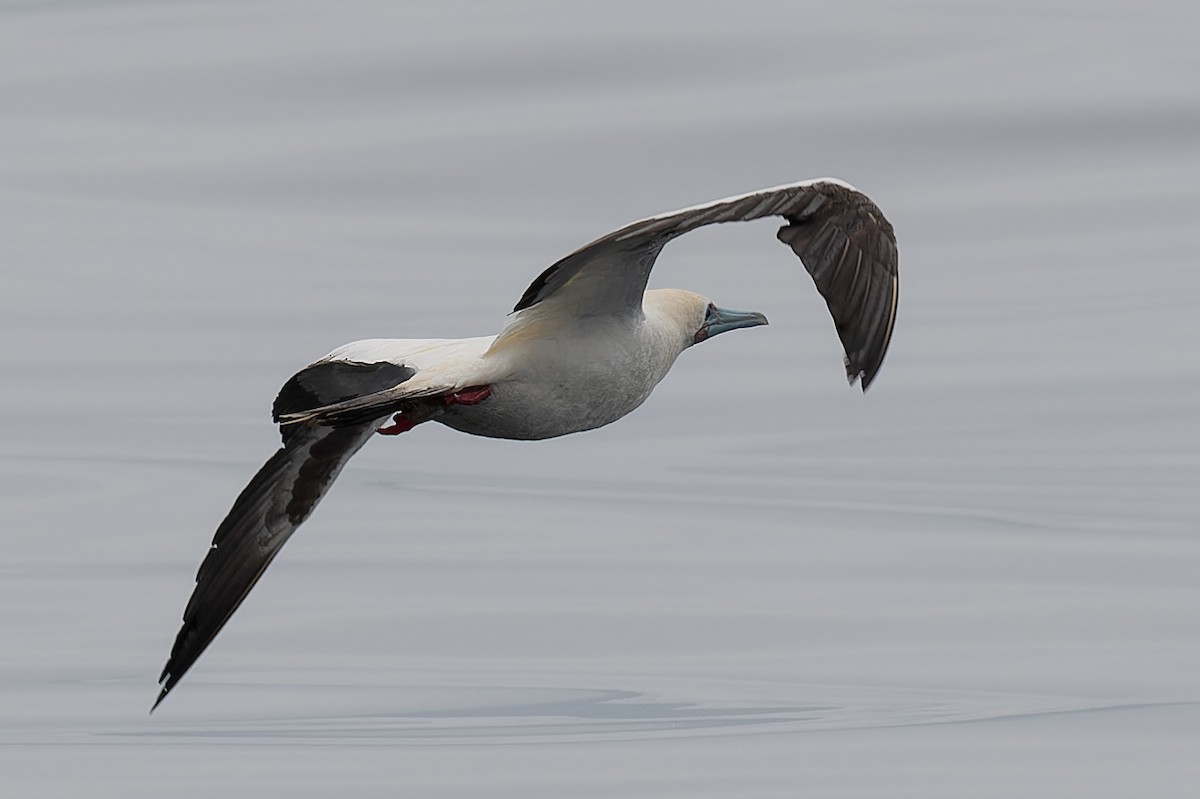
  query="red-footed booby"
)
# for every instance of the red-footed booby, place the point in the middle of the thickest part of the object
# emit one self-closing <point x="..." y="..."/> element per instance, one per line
<point x="587" y="345"/>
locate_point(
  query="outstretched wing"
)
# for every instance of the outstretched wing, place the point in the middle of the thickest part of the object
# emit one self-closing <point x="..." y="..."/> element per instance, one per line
<point x="278" y="499"/>
<point x="843" y="239"/>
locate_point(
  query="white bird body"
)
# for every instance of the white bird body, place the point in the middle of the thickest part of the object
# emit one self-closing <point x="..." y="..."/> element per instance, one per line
<point x="587" y="345"/>
<point x="579" y="372"/>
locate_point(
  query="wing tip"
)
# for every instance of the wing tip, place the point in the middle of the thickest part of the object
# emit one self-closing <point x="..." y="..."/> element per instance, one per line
<point x="162" y="694"/>
<point x="864" y="376"/>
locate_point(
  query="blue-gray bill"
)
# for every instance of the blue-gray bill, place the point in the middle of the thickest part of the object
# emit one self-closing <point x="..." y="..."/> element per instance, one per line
<point x="722" y="320"/>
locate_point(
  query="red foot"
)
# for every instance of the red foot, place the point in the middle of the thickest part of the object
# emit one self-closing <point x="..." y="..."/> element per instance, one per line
<point x="403" y="422"/>
<point x="468" y="396"/>
<point x="400" y="424"/>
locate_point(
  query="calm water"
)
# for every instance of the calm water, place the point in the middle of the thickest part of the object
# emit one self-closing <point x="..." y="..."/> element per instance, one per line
<point x="980" y="579"/>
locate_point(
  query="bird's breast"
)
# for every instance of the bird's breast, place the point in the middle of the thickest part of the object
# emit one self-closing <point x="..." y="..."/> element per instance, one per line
<point x="562" y="387"/>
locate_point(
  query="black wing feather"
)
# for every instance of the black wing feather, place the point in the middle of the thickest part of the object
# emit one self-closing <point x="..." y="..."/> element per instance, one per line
<point x="849" y="248"/>
<point x="279" y="497"/>
<point x="276" y="501"/>
<point x="330" y="382"/>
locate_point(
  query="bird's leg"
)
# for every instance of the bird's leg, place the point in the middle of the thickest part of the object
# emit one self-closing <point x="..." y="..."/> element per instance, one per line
<point x="415" y="414"/>
<point x="401" y="423"/>
<point x="410" y="417"/>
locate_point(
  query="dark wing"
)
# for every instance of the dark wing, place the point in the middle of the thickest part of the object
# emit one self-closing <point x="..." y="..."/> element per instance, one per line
<point x="849" y="248"/>
<point x="842" y="238"/>
<point x="278" y="499"/>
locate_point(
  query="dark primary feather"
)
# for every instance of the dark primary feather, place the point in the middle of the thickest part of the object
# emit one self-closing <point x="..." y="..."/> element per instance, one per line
<point x="842" y="238"/>
<point x="270" y="508"/>
<point x="278" y="498"/>
<point x="849" y="248"/>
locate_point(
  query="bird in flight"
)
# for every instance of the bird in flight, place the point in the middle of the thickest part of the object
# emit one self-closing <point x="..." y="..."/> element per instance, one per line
<point x="586" y="345"/>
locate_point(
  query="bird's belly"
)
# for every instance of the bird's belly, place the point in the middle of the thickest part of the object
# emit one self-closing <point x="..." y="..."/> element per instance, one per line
<point x="533" y="411"/>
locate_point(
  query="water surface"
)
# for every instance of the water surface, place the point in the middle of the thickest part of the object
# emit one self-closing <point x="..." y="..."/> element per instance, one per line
<point x="979" y="579"/>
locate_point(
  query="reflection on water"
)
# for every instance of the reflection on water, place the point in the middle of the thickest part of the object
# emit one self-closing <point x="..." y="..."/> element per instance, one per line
<point x="503" y="715"/>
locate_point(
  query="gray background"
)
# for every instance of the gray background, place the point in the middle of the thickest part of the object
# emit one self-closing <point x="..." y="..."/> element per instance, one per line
<point x="978" y="580"/>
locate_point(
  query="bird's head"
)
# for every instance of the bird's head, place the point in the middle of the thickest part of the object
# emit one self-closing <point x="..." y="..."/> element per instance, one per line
<point x="696" y="317"/>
